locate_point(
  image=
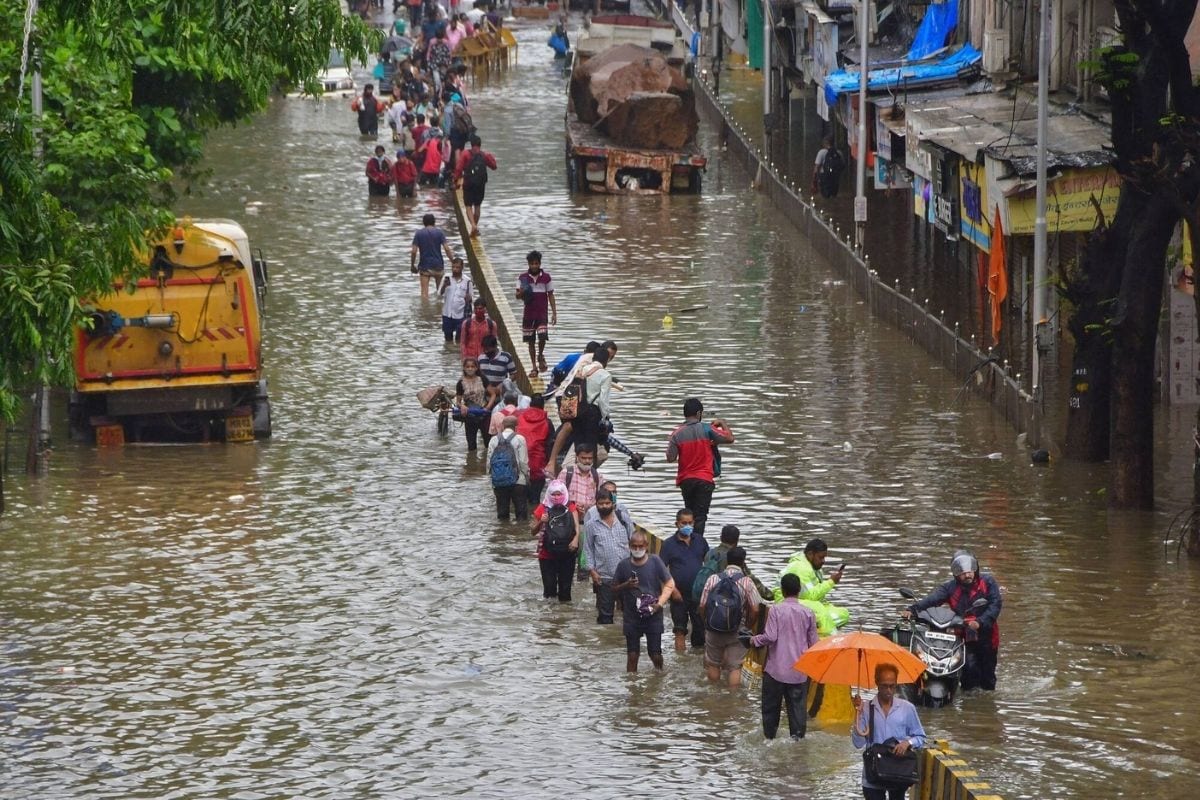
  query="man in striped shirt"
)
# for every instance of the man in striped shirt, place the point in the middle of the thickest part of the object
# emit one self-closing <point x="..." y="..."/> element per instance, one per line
<point x="494" y="366"/>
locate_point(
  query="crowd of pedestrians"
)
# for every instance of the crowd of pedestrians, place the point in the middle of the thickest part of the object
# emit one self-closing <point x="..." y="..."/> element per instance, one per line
<point x="550" y="476"/>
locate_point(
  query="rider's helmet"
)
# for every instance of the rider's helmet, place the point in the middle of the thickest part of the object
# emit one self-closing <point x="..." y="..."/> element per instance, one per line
<point x="964" y="561"/>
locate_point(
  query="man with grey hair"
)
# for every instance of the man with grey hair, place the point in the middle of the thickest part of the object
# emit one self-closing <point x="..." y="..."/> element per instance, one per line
<point x="606" y="544"/>
<point x="508" y="465"/>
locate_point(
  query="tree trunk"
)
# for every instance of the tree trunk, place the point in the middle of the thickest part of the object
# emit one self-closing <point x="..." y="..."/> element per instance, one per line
<point x="1092" y="290"/>
<point x="1135" y="324"/>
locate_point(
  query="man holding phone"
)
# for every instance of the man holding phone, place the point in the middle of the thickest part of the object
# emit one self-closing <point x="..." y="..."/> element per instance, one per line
<point x="645" y="585"/>
<point x="815" y="587"/>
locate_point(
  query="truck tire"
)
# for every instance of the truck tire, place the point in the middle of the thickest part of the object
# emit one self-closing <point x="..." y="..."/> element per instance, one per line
<point x="572" y="175"/>
<point x="262" y="412"/>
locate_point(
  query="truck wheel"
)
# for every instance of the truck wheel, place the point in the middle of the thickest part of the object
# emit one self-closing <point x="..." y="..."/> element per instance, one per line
<point x="694" y="184"/>
<point x="262" y="412"/>
<point x="572" y="175"/>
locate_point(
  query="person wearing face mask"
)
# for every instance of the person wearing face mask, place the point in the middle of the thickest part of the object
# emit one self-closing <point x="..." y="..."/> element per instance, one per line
<point x="474" y="329"/>
<point x="983" y="629"/>
<point x="582" y="479"/>
<point x="606" y="544"/>
<point x="556" y="557"/>
<point x="644" y="585"/>
<point x="684" y="554"/>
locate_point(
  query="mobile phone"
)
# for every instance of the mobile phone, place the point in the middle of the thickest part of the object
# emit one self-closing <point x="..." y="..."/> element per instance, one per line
<point x="841" y="566"/>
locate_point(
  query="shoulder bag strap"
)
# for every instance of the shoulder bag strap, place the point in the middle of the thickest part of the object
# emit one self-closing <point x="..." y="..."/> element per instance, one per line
<point x="871" y="725"/>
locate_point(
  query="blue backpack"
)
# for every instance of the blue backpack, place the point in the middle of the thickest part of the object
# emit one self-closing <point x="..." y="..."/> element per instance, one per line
<point x="723" y="608"/>
<point x="503" y="465"/>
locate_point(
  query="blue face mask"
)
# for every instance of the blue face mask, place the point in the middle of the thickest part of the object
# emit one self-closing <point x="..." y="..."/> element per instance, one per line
<point x="686" y="530"/>
<point x="614" y="497"/>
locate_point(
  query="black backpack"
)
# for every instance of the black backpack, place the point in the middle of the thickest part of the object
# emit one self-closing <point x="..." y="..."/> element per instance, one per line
<point x="831" y="172"/>
<point x="560" y="530"/>
<point x="476" y="173"/>
<point x="723" y="608"/>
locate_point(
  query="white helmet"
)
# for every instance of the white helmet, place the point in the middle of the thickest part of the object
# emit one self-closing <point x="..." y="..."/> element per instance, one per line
<point x="963" y="561"/>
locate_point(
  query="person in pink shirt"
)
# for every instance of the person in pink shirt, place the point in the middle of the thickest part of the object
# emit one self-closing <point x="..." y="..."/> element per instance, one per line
<point x="790" y="630"/>
<point x="454" y="34"/>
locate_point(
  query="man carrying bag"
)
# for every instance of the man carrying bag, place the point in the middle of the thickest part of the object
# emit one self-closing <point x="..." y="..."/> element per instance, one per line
<point x="890" y="730"/>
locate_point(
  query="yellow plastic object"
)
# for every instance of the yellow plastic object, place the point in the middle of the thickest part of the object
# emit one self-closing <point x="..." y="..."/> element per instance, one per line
<point x="668" y="321"/>
<point x="206" y="283"/>
<point x="835" y="707"/>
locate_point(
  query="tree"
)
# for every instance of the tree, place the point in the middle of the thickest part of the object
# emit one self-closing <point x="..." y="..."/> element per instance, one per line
<point x="132" y="87"/>
<point x="1118" y="289"/>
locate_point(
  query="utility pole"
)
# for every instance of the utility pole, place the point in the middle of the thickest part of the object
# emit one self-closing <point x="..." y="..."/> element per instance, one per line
<point x="39" y="434"/>
<point x="860" y="181"/>
<point x="1039" y="227"/>
<point x="766" y="67"/>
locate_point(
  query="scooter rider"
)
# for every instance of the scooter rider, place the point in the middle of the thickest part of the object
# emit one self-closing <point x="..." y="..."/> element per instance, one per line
<point x="983" y="631"/>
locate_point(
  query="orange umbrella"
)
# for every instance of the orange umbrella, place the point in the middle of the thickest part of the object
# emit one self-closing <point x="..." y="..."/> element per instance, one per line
<point x="849" y="659"/>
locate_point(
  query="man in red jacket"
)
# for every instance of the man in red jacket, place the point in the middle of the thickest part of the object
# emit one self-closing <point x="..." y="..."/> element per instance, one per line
<point x="692" y="445"/>
<point x="535" y="426"/>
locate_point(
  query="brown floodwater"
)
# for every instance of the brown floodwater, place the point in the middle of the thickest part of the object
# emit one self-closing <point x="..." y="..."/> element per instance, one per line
<point x="337" y="613"/>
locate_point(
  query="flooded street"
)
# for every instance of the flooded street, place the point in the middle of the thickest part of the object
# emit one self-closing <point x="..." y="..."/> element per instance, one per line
<point x="337" y="613"/>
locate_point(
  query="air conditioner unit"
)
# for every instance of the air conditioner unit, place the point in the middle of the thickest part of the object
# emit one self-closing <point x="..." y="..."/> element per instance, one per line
<point x="995" y="50"/>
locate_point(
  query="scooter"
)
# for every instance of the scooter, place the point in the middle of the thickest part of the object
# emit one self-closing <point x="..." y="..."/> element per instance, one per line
<point x="938" y="637"/>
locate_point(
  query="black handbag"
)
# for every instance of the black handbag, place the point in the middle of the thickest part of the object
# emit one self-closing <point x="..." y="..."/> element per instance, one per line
<point x="885" y="768"/>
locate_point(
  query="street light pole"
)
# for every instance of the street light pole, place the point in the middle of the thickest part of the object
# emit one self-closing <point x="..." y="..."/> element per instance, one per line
<point x="1039" y="226"/>
<point x="766" y="66"/>
<point x="860" y="183"/>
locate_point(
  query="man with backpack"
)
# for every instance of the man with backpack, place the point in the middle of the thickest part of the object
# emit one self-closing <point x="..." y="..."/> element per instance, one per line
<point x="471" y="175"/>
<point x="693" y="446"/>
<point x="716" y="562"/>
<point x="827" y="169"/>
<point x="508" y="465"/>
<point x="459" y="125"/>
<point x="728" y="603"/>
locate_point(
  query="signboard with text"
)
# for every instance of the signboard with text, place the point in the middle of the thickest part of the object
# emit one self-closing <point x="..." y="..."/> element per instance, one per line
<point x="1071" y="200"/>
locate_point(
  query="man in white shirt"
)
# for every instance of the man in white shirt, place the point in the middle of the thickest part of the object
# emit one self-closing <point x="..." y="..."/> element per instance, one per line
<point x="456" y="300"/>
<point x="512" y="494"/>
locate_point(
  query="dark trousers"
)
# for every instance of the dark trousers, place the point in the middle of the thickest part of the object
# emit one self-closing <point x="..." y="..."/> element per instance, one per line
<point x="557" y="574"/>
<point x="605" y="601"/>
<point x="979" y="672"/>
<point x="684" y="611"/>
<point x="510" y="496"/>
<point x="883" y="794"/>
<point x="533" y="492"/>
<point x="776" y="694"/>
<point x="475" y="427"/>
<point x="697" y="497"/>
<point x="451" y="327"/>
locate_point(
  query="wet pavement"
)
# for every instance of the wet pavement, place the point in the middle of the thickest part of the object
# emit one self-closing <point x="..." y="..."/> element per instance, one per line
<point x="336" y="613"/>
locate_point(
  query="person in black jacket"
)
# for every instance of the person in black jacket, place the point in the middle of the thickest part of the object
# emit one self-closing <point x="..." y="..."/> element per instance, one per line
<point x="983" y="630"/>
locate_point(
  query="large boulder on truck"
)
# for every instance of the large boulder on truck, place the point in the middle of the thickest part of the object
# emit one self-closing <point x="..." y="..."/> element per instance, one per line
<point x="633" y="95"/>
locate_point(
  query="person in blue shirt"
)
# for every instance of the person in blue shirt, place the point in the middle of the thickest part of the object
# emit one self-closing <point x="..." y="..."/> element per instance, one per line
<point x="893" y="718"/>
<point x="683" y="554"/>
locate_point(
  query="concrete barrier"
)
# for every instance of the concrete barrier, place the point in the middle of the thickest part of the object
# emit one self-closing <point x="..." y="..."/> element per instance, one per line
<point x="945" y="776"/>
<point x="496" y="294"/>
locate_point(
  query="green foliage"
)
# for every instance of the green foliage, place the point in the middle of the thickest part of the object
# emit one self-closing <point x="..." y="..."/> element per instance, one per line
<point x="132" y="87"/>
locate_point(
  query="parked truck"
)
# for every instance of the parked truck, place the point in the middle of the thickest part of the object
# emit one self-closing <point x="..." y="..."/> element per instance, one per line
<point x="178" y="355"/>
<point x="631" y="117"/>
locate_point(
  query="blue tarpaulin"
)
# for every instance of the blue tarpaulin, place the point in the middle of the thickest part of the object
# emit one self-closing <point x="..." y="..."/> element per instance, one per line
<point x="940" y="20"/>
<point x="910" y="76"/>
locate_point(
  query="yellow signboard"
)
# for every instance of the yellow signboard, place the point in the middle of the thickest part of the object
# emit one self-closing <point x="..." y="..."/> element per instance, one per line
<point x="1069" y="202"/>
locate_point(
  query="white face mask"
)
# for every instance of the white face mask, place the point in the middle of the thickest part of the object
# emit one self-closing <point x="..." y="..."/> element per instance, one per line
<point x="584" y="467"/>
<point x="638" y="552"/>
